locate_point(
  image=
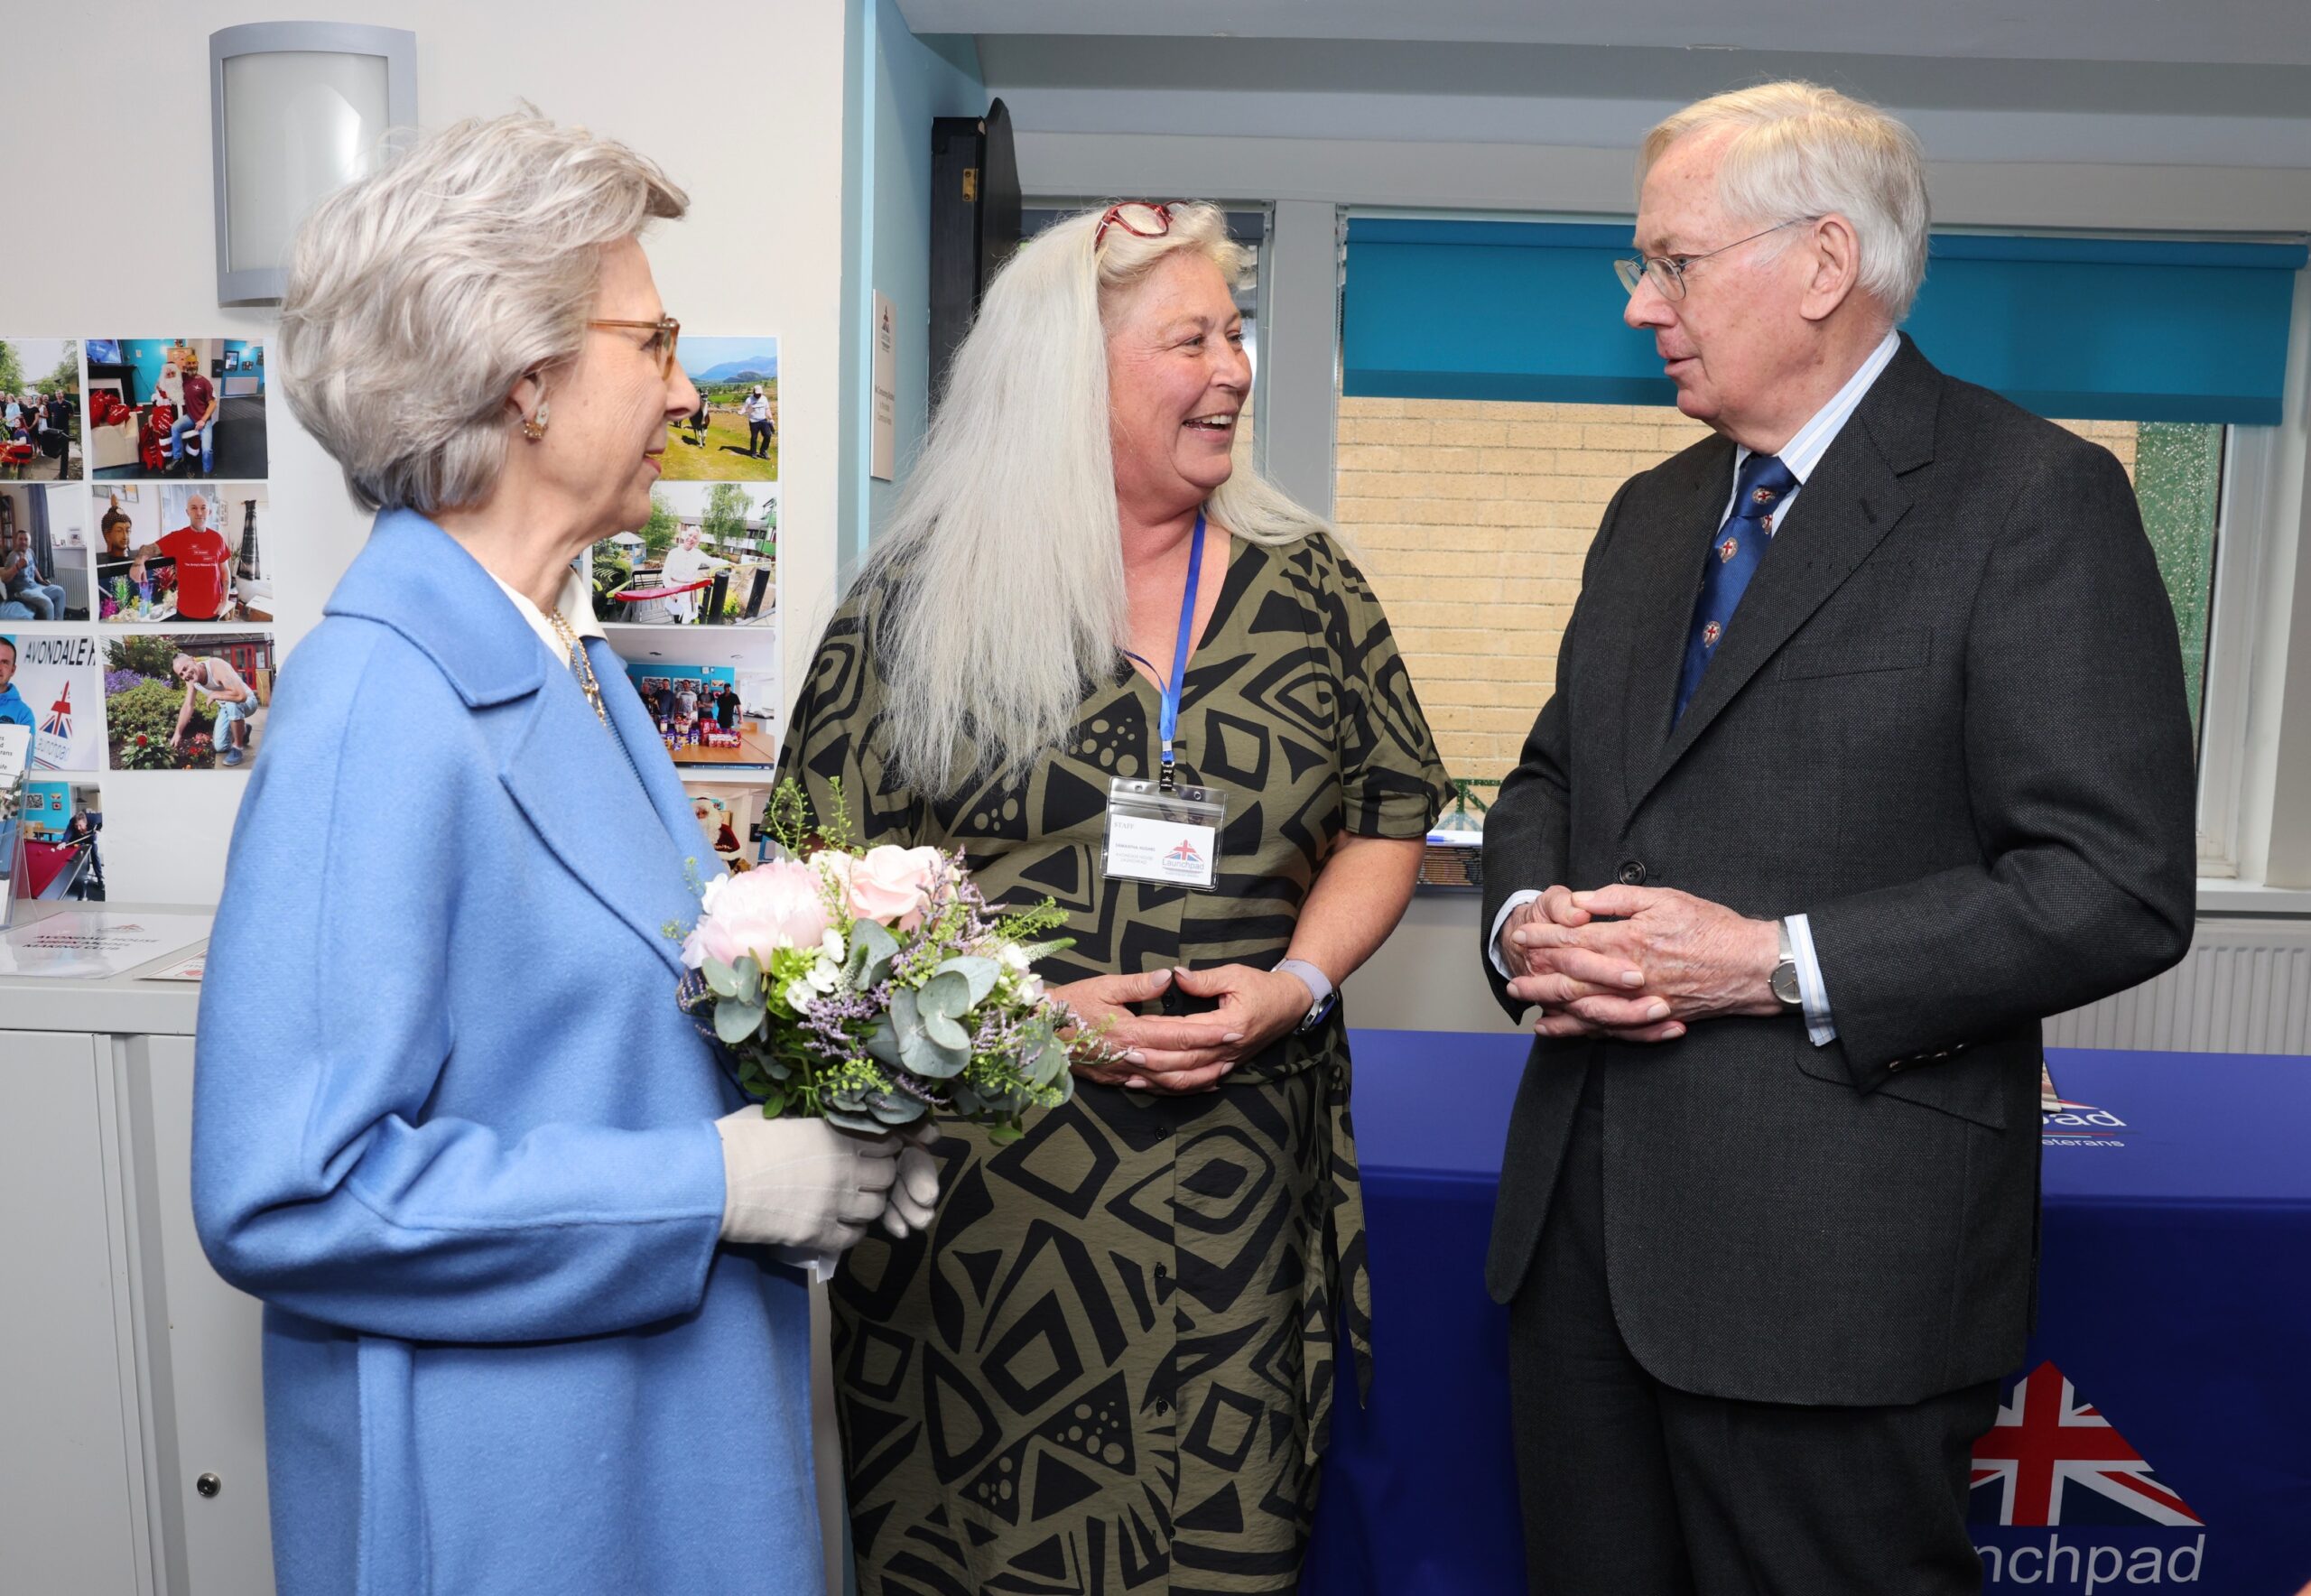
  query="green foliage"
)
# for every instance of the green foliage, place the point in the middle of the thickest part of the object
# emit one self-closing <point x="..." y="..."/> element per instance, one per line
<point x="143" y="653"/>
<point x="66" y="377"/>
<point x="12" y="368"/>
<point x="150" y="709"/>
<point x="788" y="818"/>
<point x="658" y="532"/>
<point x="725" y="520"/>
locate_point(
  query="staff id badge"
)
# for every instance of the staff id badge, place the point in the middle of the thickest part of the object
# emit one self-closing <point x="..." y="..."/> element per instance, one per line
<point x="1172" y="838"/>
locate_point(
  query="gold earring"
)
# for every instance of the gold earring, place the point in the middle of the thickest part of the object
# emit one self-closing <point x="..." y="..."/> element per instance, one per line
<point x="534" y="427"/>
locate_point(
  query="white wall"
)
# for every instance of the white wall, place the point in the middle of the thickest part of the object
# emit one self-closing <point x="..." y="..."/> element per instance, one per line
<point x="759" y="252"/>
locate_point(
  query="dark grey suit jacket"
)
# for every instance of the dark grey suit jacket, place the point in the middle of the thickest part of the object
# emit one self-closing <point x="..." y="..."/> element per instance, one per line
<point x="1947" y="723"/>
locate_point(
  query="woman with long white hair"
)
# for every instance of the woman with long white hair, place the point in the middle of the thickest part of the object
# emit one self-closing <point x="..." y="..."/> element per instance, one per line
<point x="1119" y="670"/>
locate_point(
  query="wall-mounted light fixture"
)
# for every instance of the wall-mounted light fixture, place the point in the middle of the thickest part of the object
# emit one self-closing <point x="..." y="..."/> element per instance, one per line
<point x="296" y="109"/>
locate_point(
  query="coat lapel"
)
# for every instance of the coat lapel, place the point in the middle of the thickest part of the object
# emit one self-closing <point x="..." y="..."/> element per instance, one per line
<point x="620" y="823"/>
<point x="1853" y="499"/>
<point x="593" y="808"/>
<point x="1657" y="641"/>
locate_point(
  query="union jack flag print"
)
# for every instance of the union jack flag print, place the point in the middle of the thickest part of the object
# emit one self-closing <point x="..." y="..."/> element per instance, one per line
<point x="59" y="715"/>
<point x="1184" y="854"/>
<point x="2051" y="1458"/>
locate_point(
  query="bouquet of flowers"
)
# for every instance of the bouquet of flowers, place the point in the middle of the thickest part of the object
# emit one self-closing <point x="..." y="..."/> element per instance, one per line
<point x="874" y="987"/>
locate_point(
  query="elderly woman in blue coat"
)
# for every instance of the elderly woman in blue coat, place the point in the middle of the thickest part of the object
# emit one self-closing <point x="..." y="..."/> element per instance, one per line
<point x="531" y="1322"/>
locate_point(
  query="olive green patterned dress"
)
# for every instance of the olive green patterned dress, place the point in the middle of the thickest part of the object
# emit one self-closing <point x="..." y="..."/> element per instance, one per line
<point x="1109" y="1367"/>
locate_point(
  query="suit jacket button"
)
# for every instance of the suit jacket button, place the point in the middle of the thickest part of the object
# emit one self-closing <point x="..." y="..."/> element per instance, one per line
<point x="1632" y="873"/>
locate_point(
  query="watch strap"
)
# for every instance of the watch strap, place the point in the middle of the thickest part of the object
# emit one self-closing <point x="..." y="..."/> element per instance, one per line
<point x="1320" y="989"/>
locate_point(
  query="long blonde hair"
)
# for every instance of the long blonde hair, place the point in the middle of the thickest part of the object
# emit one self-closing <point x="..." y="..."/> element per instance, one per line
<point x="997" y="591"/>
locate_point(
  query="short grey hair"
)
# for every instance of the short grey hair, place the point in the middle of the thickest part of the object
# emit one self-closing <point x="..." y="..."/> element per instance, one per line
<point x="1801" y="150"/>
<point x="419" y="295"/>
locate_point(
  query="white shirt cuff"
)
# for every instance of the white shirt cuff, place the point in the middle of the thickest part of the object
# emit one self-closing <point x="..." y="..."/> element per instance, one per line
<point x="1517" y="900"/>
<point x="1820" y="1025"/>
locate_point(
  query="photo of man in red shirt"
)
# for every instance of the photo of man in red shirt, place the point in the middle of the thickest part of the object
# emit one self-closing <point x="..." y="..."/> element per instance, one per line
<point x="204" y="562"/>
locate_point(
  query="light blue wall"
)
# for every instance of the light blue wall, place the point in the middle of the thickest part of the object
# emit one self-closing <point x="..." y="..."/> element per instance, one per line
<point x="903" y="81"/>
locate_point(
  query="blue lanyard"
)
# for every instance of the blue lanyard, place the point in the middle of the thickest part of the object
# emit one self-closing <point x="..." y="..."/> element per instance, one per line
<point x="1169" y="725"/>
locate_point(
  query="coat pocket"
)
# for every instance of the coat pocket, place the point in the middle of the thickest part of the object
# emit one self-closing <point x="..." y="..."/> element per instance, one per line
<point x="1899" y="648"/>
<point x="1970" y="1086"/>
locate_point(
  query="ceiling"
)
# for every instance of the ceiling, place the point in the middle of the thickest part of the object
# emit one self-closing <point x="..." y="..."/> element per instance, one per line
<point x="2241" y="32"/>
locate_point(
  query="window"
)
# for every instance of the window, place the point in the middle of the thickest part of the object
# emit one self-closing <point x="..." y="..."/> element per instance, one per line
<point x="1491" y="403"/>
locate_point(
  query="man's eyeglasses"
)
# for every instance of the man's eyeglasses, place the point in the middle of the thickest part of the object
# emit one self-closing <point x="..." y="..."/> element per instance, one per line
<point x="665" y="332"/>
<point x="1667" y="272"/>
<point x="1142" y="219"/>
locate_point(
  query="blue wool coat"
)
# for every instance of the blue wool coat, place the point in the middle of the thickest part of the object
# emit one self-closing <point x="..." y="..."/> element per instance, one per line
<point x="450" y="1126"/>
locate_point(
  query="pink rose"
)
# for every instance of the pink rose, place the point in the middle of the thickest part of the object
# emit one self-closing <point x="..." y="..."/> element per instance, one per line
<point x="773" y="905"/>
<point x="890" y="883"/>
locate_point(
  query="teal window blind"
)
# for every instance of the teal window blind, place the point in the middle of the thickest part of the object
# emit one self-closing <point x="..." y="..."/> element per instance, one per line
<point x="2085" y="328"/>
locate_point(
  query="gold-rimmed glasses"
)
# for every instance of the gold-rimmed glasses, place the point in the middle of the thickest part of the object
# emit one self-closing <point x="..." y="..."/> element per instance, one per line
<point x="1667" y="272"/>
<point x="665" y="332"/>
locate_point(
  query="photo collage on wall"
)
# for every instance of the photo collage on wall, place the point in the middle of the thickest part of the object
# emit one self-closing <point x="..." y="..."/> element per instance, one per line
<point x="690" y="599"/>
<point x="136" y="583"/>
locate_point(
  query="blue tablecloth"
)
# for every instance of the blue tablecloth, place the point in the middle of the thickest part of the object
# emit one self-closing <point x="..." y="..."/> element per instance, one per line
<point x="2161" y="1428"/>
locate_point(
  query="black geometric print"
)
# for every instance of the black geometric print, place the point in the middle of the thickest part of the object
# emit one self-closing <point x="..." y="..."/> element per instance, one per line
<point x="1109" y="1367"/>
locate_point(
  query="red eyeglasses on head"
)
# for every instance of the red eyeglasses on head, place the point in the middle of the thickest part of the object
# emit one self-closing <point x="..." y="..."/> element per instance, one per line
<point x="1142" y="219"/>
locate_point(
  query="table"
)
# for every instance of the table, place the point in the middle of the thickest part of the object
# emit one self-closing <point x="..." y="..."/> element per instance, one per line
<point x="2175" y="1297"/>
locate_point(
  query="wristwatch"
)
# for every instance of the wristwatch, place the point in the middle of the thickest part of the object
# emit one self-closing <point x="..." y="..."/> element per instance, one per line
<point x="1785" y="989"/>
<point x="1320" y="989"/>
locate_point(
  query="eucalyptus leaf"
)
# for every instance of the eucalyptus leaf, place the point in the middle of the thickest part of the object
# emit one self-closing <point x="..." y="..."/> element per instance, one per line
<point x="860" y="1121"/>
<point x="736" y="1020"/>
<point x="896" y="1107"/>
<point x="980" y="973"/>
<point x="948" y="994"/>
<point x="945" y="1032"/>
<point x="774" y="1102"/>
<point x="722" y="979"/>
<point x="1004" y="1135"/>
<point x="883" y="1041"/>
<point x="748" y="971"/>
<point x="920" y="1052"/>
<point x="872" y="949"/>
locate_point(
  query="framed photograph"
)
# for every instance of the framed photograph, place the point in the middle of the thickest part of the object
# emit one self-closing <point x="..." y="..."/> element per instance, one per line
<point x="733" y="435"/>
<point x="711" y="714"/>
<point x="43" y="553"/>
<point x="709" y="555"/>
<point x="40" y="411"/>
<point x="64" y="857"/>
<point x="187" y="700"/>
<point x="186" y="552"/>
<point x="50" y="681"/>
<point x="177" y="407"/>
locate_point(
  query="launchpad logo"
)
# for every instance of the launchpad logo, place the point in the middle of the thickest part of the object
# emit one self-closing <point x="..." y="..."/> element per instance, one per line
<point x="2062" y="1502"/>
<point x="2082" y="1125"/>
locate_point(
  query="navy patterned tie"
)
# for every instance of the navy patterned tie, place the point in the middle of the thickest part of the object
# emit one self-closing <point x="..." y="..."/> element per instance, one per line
<point x="1763" y="484"/>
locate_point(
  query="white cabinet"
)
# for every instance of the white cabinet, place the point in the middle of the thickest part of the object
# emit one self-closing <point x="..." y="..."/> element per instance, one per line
<point x="71" y="1463"/>
<point x="128" y="1371"/>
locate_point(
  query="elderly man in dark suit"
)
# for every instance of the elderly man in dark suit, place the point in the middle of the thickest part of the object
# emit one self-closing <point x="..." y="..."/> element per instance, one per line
<point x="1869" y="748"/>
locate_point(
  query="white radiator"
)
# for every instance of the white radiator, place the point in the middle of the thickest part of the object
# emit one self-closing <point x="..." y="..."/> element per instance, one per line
<point x="2245" y="987"/>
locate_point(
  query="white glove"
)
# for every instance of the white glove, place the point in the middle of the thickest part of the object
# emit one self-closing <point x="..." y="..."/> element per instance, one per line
<point x="915" y="1195"/>
<point x="802" y="1182"/>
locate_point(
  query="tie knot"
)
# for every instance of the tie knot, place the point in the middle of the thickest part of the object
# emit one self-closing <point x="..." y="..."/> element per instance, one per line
<point x="1764" y="482"/>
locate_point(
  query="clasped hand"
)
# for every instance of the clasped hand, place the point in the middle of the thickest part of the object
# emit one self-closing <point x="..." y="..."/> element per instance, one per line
<point x="1637" y="964"/>
<point x="1177" y="1053"/>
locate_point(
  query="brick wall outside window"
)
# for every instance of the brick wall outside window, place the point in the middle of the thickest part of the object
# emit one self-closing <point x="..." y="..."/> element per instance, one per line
<point x="1472" y="519"/>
